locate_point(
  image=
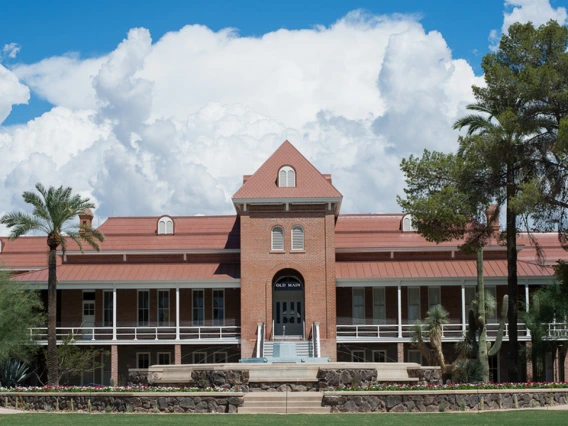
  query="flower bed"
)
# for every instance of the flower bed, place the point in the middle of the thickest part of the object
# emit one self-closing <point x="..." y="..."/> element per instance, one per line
<point x="114" y="389"/>
<point x="454" y="386"/>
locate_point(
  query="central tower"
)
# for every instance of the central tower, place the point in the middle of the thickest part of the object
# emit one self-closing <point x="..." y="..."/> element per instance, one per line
<point x="288" y="211"/>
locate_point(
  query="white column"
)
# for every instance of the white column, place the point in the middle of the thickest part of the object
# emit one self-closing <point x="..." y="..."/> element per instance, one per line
<point x="114" y="313"/>
<point x="527" y="297"/>
<point x="399" y="312"/>
<point x="464" y="317"/>
<point x="177" y="313"/>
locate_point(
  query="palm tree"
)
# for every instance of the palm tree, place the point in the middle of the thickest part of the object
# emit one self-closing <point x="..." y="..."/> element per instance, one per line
<point x="54" y="208"/>
<point x="436" y="317"/>
<point x="505" y="144"/>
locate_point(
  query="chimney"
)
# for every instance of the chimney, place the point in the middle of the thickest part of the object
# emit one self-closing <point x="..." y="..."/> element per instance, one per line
<point x="86" y="218"/>
<point x="492" y="214"/>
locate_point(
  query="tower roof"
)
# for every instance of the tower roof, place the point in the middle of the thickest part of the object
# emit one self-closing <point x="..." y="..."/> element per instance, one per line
<point x="310" y="183"/>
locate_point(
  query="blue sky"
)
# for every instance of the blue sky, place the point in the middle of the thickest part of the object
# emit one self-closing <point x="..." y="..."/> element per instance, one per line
<point x="154" y="108"/>
<point x="87" y="28"/>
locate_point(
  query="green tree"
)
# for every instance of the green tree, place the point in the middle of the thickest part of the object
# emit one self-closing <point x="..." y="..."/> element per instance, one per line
<point x="53" y="212"/>
<point x="20" y="310"/>
<point x="514" y="154"/>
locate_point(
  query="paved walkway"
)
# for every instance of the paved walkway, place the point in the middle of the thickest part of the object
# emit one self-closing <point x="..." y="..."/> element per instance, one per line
<point x="9" y="411"/>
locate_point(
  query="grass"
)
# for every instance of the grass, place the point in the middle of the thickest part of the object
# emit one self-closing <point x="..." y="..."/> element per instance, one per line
<point x="525" y="417"/>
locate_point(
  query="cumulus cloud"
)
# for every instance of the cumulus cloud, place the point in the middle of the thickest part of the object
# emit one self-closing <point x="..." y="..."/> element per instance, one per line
<point x="536" y="11"/>
<point x="12" y="92"/>
<point x="171" y="126"/>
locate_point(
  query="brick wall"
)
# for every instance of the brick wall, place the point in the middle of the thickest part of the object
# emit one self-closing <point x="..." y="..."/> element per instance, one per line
<point x="316" y="264"/>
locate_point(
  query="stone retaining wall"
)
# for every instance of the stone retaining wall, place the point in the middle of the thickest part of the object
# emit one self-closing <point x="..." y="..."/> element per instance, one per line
<point x="427" y="375"/>
<point x="122" y="402"/>
<point x="439" y="401"/>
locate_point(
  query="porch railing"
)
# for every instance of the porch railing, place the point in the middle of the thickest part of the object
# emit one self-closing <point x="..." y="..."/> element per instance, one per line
<point x="141" y="333"/>
<point x="453" y="331"/>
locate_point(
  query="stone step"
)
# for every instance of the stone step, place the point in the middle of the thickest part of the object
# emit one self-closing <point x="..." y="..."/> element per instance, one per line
<point x="290" y="410"/>
<point x="283" y="402"/>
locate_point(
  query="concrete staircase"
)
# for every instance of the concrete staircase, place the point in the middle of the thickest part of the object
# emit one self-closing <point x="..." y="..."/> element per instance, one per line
<point x="300" y="349"/>
<point x="283" y="403"/>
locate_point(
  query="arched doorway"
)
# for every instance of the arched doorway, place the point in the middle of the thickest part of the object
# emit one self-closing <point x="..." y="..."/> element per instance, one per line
<point x="288" y="304"/>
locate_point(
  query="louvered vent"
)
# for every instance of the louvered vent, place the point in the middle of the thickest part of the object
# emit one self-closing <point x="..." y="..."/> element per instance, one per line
<point x="277" y="238"/>
<point x="282" y="178"/>
<point x="297" y="238"/>
<point x="291" y="179"/>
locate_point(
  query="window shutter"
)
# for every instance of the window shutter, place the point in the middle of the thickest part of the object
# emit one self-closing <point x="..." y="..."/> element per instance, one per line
<point x="169" y="227"/>
<point x="161" y="227"/>
<point x="277" y="238"/>
<point x="291" y="179"/>
<point x="282" y="179"/>
<point x="297" y="238"/>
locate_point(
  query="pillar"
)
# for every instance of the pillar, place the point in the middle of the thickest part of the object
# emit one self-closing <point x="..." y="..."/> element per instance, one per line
<point x="464" y="313"/>
<point x="556" y="363"/>
<point x="177" y="354"/>
<point x="400" y="352"/>
<point x="114" y="314"/>
<point x="114" y="364"/>
<point x="564" y="364"/>
<point x="399" y="296"/>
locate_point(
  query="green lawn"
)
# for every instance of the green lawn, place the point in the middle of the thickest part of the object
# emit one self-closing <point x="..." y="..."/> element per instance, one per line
<point x="439" y="419"/>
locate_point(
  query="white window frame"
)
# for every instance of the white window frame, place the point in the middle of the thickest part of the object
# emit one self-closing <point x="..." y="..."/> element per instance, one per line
<point x="381" y="351"/>
<point x="139" y="324"/>
<point x="165" y="226"/>
<point x="169" y="354"/>
<point x="138" y="354"/>
<point x="106" y="308"/>
<point x="225" y="357"/>
<point x="431" y="304"/>
<point x="297" y="247"/>
<point x="360" y="308"/>
<point x="289" y="180"/>
<point x="193" y="356"/>
<point x="162" y="323"/>
<point x="272" y="238"/>
<point x="217" y="321"/>
<point x="412" y="304"/>
<point x="378" y="316"/>
<point x="201" y="322"/>
<point x="414" y="352"/>
<point x="358" y="355"/>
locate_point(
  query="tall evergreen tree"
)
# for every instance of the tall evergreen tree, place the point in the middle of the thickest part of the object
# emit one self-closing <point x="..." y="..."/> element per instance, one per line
<point x="53" y="212"/>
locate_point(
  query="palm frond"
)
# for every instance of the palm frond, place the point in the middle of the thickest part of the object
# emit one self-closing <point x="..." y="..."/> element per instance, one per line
<point x="21" y="223"/>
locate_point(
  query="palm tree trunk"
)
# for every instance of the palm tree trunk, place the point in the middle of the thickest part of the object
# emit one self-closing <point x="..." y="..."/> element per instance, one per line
<point x="482" y="338"/>
<point x="52" y="362"/>
<point x="512" y="282"/>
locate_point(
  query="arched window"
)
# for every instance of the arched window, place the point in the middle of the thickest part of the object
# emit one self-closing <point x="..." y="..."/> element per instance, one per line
<point x="165" y="225"/>
<point x="277" y="238"/>
<point x="297" y="238"/>
<point x="286" y="177"/>
<point x="407" y="224"/>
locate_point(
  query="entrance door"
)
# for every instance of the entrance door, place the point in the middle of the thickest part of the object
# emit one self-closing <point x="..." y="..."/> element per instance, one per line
<point x="88" y="314"/>
<point x="288" y="307"/>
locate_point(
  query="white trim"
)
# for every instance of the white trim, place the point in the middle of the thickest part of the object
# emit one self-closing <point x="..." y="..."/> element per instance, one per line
<point x="464" y="319"/>
<point x="272" y="231"/>
<point x="441" y="281"/>
<point x="383" y="351"/>
<point x="265" y="201"/>
<point x="169" y="354"/>
<point x="177" y="313"/>
<point x="128" y="285"/>
<point x="179" y="251"/>
<point x="410" y="248"/>
<point x="138" y="358"/>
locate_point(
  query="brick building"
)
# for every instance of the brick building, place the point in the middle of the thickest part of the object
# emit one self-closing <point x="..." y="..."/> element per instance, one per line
<point x="287" y="265"/>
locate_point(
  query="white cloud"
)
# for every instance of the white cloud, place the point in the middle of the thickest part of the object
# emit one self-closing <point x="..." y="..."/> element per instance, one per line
<point x="171" y="127"/>
<point x="11" y="92"/>
<point x="10" y="50"/>
<point x="536" y="11"/>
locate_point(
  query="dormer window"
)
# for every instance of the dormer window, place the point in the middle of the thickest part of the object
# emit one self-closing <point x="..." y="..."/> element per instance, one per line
<point x="407" y="224"/>
<point x="286" y="177"/>
<point x="165" y="225"/>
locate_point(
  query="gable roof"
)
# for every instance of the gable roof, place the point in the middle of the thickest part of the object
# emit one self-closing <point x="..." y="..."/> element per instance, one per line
<point x="310" y="183"/>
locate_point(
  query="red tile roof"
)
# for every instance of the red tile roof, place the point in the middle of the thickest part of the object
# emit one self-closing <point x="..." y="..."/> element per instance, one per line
<point x="434" y="269"/>
<point x="310" y="183"/>
<point x="129" y="272"/>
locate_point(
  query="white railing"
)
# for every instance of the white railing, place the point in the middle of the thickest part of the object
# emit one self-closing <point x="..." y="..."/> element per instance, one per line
<point x="141" y="333"/>
<point x="449" y="331"/>
<point x="558" y="330"/>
